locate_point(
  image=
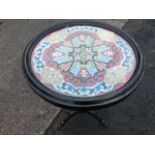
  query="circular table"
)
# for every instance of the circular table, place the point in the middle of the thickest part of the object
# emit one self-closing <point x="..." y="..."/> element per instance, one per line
<point x="83" y="65"/>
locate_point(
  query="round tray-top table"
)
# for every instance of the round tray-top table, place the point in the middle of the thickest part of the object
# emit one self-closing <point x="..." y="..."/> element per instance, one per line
<point x="83" y="65"/>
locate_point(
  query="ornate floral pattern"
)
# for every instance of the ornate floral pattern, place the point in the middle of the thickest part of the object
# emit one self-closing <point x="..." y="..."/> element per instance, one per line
<point x="83" y="61"/>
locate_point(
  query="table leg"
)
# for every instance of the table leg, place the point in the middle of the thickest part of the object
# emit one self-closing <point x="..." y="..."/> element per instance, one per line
<point x="73" y="113"/>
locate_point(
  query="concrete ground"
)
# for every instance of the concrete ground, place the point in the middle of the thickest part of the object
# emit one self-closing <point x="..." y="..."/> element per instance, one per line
<point x="21" y="110"/>
<point x="136" y="114"/>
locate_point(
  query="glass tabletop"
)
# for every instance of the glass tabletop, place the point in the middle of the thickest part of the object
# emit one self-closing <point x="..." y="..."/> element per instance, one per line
<point x="83" y="61"/>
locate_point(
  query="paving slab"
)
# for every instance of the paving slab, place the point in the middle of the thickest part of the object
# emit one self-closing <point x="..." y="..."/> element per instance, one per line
<point x="21" y="110"/>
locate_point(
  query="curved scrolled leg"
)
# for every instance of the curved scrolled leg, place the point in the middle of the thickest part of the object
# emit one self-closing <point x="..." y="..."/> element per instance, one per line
<point x="97" y="117"/>
<point x="68" y="116"/>
<point x="73" y="113"/>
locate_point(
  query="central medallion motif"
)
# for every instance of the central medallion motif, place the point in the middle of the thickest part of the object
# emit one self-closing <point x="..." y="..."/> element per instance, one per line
<point x="83" y="54"/>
